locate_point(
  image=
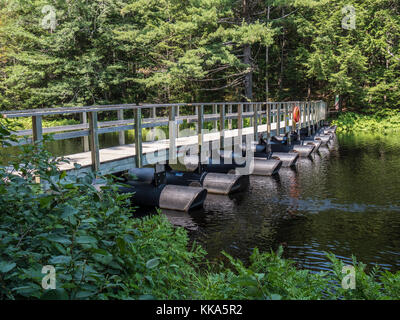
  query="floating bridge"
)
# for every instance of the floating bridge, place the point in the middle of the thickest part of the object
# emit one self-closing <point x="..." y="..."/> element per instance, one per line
<point x="231" y="122"/>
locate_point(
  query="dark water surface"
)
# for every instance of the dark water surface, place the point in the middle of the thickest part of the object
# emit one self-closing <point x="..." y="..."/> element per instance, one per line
<point x="345" y="201"/>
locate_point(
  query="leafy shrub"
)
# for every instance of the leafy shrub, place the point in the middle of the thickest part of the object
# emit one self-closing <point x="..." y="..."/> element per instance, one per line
<point x="381" y="121"/>
<point x="98" y="249"/>
<point x="270" y="277"/>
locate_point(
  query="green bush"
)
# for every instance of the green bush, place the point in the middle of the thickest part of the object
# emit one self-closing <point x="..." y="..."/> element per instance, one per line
<point x="98" y="249"/>
<point x="381" y="121"/>
<point x="270" y="277"/>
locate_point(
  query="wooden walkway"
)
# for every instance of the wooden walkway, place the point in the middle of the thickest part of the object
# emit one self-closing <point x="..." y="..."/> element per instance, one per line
<point x="121" y="158"/>
<point x="263" y="118"/>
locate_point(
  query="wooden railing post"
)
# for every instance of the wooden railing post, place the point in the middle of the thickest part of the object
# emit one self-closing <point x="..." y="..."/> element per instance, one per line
<point x="314" y="116"/>
<point x="37" y="129"/>
<point x="240" y="122"/>
<point x="222" y="126"/>
<point x="278" y="119"/>
<point x="230" y="120"/>
<point x="153" y="116"/>
<point x="177" y="114"/>
<point x="286" y="118"/>
<point x="94" y="141"/>
<point x="250" y="108"/>
<point x="300" y="121"/>
<point x="200" y="127"/>
<point x="138" y="138"/>
<point x="268" y="121"/>
<point x="301" y="107"/>
<point x="196" y="125"/>
<point x="289" y="109"/>
<point x="172" y="135"/>
<point x="255" y="121"/>
<point x="85" y="140"/>
<point x="215" y="112"/>
<point x="121" y="134"/>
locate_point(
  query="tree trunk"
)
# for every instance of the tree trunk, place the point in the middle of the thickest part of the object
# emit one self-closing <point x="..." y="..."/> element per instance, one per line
<point x="282" y="55"/>
<point x="248" y="82"/>
<point x="267" y="62"/>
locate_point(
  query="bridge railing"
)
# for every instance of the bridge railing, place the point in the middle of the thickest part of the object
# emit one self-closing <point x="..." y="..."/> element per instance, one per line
<point x="277" y="118"/>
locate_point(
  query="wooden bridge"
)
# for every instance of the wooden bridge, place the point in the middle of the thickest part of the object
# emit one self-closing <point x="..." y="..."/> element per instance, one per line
<point x="227" y="118"/>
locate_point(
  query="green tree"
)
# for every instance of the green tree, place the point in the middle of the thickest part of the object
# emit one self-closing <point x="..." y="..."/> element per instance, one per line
<point x="77" y="63"/>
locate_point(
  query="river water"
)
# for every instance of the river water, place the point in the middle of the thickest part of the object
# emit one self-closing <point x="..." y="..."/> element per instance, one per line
<point x="345" y="200"/>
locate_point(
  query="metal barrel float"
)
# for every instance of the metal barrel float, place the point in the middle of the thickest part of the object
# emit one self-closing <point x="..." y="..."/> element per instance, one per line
<point x="330" y="130"/>
<point x="261" y="164"/>
<point x="280" y="144"/>
<point x="218" y="183"/>
<point x="279" y="152"/>
<point x="168" y="197"/>
<point x="264" y="164"/>
<point x="311" y="141"/>
<point x="303" y="150"/>
<point x="152" y="190"/>
<point x="324" y="138"/>
<point x="288" y="159"/>
<point x="307" y="139"/>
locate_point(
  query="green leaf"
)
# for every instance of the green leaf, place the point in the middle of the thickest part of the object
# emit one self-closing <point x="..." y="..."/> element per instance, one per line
<point x="57" y="294"/>
<point x="68" y="211"/>
<point x="151" y="264"/>
<point x="86" y="240"/>
<point x="84" y="294"/>
<point x="60" y="260"/>
<point x="60" y="239"/>
<point x="63" y="175"/>
<point x="146" y="297"/>
<point x="7" y="266"/>
<point x="105" y="259"/>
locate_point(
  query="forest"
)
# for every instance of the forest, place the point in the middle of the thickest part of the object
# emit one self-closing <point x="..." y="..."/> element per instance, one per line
<point x="56" y="53"/>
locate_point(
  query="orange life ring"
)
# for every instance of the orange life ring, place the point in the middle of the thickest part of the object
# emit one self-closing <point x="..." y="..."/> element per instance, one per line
<point x="296" y="114"/>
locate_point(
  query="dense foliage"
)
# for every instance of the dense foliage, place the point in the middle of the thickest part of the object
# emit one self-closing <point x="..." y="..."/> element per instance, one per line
<point x="119" y="51"/>
<point x="272" y="278"/>
<point x="100" y="251"/>
<point x="385" y="120"/>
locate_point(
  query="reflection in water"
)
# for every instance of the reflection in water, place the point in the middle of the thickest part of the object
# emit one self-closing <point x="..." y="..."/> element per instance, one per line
<point x="180" y="219"/>
<point x="344" y="200"/>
